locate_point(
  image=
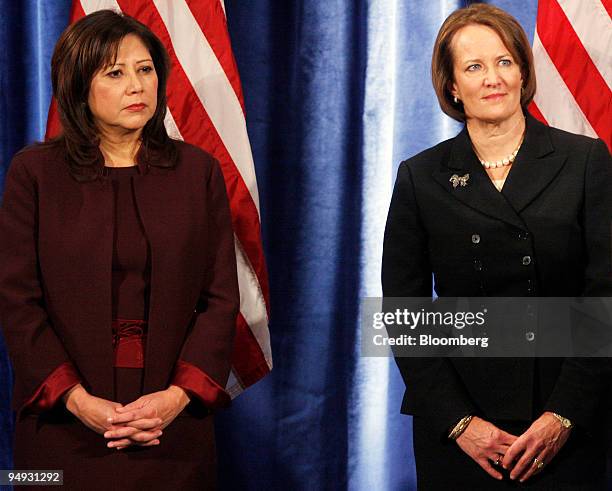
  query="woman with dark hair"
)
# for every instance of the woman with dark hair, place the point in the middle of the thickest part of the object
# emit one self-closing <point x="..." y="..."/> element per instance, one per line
<point x="118" y="288"/>
<point x="507" y="208"/>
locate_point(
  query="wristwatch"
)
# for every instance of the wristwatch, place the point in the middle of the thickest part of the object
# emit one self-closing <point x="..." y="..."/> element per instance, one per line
<point x="566" y="423"/>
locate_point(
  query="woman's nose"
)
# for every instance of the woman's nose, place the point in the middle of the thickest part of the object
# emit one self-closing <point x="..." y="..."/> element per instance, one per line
<point x="492" y="77"/>
<point x="135" y="85"/>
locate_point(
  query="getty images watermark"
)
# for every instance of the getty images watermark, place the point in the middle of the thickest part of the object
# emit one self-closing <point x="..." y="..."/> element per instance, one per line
<point x="411" y="321"/>
<point x="487" y="327"/>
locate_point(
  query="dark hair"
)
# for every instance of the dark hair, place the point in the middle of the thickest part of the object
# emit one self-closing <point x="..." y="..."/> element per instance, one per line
<point x="507" y="28"/>
<point x="81" y="51"/>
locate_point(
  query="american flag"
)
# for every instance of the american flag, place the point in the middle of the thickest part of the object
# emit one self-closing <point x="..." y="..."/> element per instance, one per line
<point x="572" y="50"/>
<point x="206" y="108"/>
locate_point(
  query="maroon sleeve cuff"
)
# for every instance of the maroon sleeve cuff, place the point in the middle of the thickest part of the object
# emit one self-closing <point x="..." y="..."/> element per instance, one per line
<point x="52" y="388"/>
<point x="197" y="383"/>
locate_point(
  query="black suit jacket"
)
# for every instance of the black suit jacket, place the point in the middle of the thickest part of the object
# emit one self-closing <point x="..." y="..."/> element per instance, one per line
<point x="556" y="209"/>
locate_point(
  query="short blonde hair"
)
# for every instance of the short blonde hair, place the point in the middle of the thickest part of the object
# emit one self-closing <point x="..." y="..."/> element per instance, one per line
<point x="507" y="28"/>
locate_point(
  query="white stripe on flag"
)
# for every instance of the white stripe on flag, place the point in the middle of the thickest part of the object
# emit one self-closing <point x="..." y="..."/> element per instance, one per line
<point x="252" y="305"/>
<point x="171" y="126"/>
<point x="90" y="6"/>
<point x="558" y="105"/>
<point x="233" y="386"/>
<point x="593" y="26"/>
<point x="212" y="86"/>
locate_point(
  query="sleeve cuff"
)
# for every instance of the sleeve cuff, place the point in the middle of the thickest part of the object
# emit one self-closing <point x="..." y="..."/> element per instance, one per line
<point x="197" y="383"/>
<point x="52" y="388"/>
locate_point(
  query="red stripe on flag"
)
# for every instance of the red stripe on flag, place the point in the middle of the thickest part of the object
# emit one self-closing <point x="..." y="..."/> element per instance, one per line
<point x="536" y="113"/>
<point x="576" y="67"/>
<point x="248" y="361"/>
<point x="212" y="22"/>
<point x="76" y="12"/>
<point x="608" y="6"/>
<point x="197" y="128"/>
<point x="54" y="127"/>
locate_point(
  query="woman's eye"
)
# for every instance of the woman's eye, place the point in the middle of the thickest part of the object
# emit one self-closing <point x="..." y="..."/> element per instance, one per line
<point x="147" y="69"/>
<point x="114" y="74"/>
<point x="505" y="62"/>
<point x="473" y="68"/>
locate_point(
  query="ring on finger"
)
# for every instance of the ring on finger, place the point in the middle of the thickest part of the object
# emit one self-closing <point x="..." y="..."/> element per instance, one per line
<point x="499" y="459"/>
<point x="538" y="463"/>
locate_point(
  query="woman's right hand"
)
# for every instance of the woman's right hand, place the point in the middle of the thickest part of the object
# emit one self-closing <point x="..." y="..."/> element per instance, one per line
<point x="485" y="443"/>
<point x="94" y="413"/>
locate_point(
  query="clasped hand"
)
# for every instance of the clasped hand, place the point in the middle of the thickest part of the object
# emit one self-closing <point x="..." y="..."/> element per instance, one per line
<point x="523" y="455"/>
<point x="138" y="423"/>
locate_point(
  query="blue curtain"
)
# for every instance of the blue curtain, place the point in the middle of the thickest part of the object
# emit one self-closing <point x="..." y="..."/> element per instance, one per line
<point x="337" y="93"/>
<point x="300" y="63"/>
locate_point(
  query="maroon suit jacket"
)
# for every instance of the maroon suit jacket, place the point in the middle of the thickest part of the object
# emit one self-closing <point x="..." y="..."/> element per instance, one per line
<point x="55" y="272"/>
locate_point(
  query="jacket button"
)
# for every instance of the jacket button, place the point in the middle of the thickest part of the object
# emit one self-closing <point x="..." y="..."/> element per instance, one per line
<point x="526" y="260"/>
<point x="477" y="265"/>
<point x="523" y="235"/>
<point x="475" y="239"/>
<point x="529" y="336"/>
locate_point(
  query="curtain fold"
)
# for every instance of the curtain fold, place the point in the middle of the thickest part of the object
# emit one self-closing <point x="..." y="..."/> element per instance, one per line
<point x="301" y="65"/>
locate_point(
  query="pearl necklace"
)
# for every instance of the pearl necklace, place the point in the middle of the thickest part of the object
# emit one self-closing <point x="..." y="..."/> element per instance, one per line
<point x="503" y="162"/>
<point x="499" y="163"/>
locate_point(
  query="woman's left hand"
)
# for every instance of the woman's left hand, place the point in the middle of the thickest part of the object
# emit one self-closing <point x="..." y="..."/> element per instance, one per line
<point x="164" y="406"/>
<point x="542" y="441"/>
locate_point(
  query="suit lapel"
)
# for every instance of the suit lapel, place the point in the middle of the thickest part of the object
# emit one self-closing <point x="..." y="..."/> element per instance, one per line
<point x="478" y="192"/>
<point x="535" y="167"/>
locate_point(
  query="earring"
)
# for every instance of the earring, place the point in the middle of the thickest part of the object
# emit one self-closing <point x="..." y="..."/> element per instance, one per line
<point x="456" y="100"/>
